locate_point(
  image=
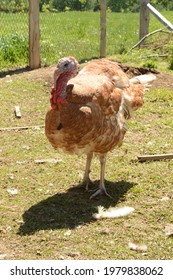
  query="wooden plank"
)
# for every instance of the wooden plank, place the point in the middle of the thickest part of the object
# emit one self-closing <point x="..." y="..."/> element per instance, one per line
<point x="144" y="20"/>
<point x="102" y="28"/>
<point x="160" y="17"/>
<point x="34" y="35"/>
<point x="155" y="157"/>
<point x="17" y="112"/>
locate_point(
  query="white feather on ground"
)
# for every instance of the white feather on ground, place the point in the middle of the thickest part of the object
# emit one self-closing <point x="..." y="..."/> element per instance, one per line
<point x="137" y="247"/>
<point x="112" y="212"/>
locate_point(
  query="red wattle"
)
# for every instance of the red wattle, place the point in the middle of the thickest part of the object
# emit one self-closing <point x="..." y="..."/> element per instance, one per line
<point x="55" y="99"/>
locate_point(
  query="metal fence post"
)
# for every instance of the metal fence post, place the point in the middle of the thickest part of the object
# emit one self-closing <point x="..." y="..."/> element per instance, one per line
<point x="34" y="34"/>
<point x="144" y="19"/>
<point x="160" y="17"/>
<point x="102" y="28"/>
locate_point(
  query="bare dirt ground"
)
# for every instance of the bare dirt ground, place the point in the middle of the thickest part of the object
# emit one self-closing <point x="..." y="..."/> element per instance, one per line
<point x="46" y="74"/>
<point x="163" y="79"/>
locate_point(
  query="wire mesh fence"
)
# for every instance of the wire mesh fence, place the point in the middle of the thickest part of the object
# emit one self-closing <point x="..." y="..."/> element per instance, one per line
<point x="61" y="34"/>
<point x="156" y="24"/>
<point x="69" y="33"/>
<point x="13" y="40"/>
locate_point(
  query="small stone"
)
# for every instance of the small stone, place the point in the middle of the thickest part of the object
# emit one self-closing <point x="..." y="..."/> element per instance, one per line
<point x="74" y="254"/>
<point x="169" y="230"/>
<point x="12" y="191"/>
<point x="67" y="233"/>
<point x="3" y="256"/>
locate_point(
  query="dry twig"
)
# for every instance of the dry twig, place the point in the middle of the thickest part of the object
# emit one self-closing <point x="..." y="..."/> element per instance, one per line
<point x="21" y="127"/>
<point x="148" y="35"/>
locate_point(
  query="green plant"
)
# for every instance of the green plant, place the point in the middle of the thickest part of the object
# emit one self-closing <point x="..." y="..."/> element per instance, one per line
<point x="171" y="59"/>
<point x="14" y="48"/>
<point x="149" y="64"/>
<point x="14" y="5"/>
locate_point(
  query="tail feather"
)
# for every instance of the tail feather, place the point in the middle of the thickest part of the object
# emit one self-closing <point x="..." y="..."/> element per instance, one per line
<point x="143" y="79"/>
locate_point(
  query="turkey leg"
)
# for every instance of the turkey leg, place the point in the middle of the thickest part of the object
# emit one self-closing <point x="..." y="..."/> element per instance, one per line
<point x="101" y="189"/>
<point x="86" y="179"/>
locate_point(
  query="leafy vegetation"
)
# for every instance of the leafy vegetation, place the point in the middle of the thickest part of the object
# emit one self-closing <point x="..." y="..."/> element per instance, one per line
<point x="14" y="5"/>
<point x="81" y="5"/>
<point x="171" y="59"/>
<point x="14" y="48"/>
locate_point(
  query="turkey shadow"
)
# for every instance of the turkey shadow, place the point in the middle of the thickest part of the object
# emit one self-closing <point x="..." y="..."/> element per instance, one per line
<point x="70" y="209"/>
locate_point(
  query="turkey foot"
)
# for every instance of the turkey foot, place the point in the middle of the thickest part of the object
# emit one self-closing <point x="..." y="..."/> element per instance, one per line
<point x="84" y="184"/>
<point x="99" y="191"/>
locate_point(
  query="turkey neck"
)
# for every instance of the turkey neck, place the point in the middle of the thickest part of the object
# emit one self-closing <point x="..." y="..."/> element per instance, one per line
<point x="61" y="85"/>
<point x="59" y="91"/>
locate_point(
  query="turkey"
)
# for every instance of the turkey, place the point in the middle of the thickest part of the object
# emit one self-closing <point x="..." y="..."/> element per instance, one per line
<point x="89" y="110"/>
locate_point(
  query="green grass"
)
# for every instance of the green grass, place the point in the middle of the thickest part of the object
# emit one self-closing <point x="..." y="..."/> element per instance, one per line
<point x="49" y="218"/>
<point x="78" y="34"/>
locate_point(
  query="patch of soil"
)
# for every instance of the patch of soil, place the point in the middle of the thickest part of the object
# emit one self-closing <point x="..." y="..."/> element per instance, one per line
<point x="46" y="74"/>
<point x="163" y="79"/>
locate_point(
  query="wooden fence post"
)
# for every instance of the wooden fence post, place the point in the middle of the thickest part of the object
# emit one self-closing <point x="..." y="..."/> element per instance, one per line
<point x="144" y="19"/>
<point x="34" y="34"/>
<point x="102" y="28"/>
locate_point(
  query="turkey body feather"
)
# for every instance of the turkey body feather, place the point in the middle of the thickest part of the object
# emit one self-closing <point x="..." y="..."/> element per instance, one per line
<point x="89" y="109"/>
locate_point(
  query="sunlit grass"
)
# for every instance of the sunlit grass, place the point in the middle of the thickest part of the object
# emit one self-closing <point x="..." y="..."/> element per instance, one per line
<point x="78" y="34"/>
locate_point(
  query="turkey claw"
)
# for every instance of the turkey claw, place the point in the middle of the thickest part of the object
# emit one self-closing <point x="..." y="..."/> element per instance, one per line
<point x="84" y="184"/>
<point x="99" y="192"/>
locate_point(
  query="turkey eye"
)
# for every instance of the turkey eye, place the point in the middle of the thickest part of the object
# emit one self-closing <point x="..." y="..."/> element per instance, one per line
<point x="66" y="65"/>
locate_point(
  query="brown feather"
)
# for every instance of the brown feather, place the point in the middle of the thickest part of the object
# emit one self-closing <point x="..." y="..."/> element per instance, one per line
<point x="89" y="119"/>
<point x="98" y="101"/>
